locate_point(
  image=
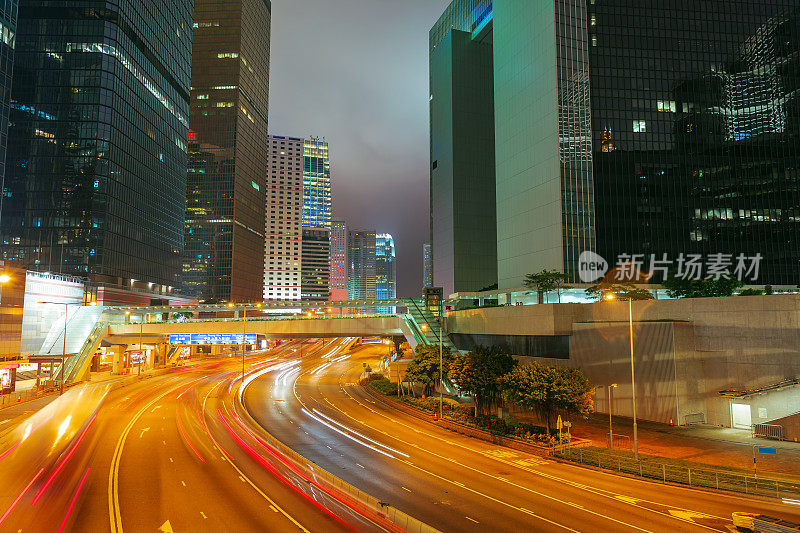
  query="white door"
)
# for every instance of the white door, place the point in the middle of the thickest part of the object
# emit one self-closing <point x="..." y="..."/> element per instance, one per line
<point x="740" y="415"/>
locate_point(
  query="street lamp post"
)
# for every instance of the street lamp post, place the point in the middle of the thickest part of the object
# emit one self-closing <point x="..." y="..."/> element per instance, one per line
<point x="611" y="296"/>
<point x="610" y="428"/>
<point x="244" y="337"/>
<point x="441" y="372"/>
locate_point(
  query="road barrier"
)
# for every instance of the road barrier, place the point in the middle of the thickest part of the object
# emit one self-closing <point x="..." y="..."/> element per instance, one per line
<point x="357" y="499"/>
<point x="695" y="477"/>
<point x="768" y="431"/>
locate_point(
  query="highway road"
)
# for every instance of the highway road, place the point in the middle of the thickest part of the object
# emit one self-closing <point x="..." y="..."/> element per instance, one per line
<point x="456" y="483"/>
<point x="164" y="454"/>
<point x="188" y="451"/>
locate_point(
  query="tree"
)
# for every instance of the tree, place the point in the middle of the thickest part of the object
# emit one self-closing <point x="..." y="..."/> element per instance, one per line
<point x="682" y="287"/>
<point x="424" y="367"/>
<point x="547" y="281"/>
<point x="478" y="373"/>
<point x="622" y="291"/>
<point x="547" y="389"/>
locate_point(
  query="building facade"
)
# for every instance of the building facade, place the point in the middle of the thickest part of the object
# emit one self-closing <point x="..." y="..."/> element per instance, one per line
<point x="284" y="212"/>
<point x="317" y="207"/>
<point x="8" y="37"/>
<point x="339" y="265"/>
<point x="385" y="267"/>
<point x="361" y="258"/>
<point x="685" y="145"/>
<point x="227" y="174"/>
<point x="316" y="266"/>
<point x="462" y="150"/>
<point x="96" y="162"/>
<point x="427" y="266"/>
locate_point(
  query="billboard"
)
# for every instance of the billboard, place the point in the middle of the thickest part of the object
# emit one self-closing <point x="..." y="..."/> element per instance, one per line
<point x="212" y="338"/>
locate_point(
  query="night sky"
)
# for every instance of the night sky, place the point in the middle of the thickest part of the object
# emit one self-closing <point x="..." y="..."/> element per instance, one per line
<point x="356" y="73"/>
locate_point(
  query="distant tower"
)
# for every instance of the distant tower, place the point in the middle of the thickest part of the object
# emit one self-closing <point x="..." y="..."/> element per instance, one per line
<point x="339" y="260"/>
<point x="427" y="265"/>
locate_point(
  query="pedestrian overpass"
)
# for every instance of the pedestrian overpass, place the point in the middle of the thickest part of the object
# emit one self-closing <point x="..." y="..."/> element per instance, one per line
<point x="90" y="327"/>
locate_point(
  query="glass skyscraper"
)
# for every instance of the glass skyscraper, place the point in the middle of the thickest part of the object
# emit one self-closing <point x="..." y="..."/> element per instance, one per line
<point x="317" y="208"/>
<point x="8" y="32"/>
<point x="96" y="161"/>
<point x="625" y="128"/>
<point x="385" y="267"/>
<point x="228" y="162"/>
<point x="361" y="258"/>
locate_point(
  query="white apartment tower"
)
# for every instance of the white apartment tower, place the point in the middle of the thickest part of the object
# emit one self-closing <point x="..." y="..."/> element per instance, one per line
<point x="284" y="219"/>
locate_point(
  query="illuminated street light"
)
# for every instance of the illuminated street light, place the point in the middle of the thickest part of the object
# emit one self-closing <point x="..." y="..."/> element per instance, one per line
<point x="5" y="278"/>
<point x="612" y="296"/>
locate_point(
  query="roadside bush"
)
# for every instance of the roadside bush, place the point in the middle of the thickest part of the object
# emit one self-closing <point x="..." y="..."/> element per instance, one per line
<point x="384" y="386"/>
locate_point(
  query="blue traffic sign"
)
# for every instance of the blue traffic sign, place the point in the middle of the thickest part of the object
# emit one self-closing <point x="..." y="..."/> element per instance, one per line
<point x="212" y="338"/>
<point x="771" y="451"/>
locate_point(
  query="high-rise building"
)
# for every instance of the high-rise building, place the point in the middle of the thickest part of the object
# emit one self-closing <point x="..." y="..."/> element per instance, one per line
<point x="462" y="187"/>
<point x="316" y="265"/>
<point x="385" y="270"/>
<point x="427" y="265"/>
<point x="687" y="145"/>
<point x="227" y="177"/>
<point x="385" y="267"/>
<point x="361" y="259"/>
<point x="96" y="162"/>
<point x="284" y="212"/>
<point x="339" y="266"/>
<point x="317" y="208"/>
<point x="8" y="31"/>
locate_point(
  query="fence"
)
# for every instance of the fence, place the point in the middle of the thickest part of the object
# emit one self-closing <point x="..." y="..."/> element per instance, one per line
<point x="11" y="398"/>
<point x="696" y="477"/>
<point x="768" y="431"/>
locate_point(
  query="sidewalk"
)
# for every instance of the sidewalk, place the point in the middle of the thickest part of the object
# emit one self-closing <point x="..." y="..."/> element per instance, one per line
<point x="702" y="444"/>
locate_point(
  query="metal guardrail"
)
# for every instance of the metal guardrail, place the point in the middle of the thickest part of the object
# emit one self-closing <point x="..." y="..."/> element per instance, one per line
<point x="768" y="431"/>
<point x="357" y="497"/>
<point x="695" y="477"/>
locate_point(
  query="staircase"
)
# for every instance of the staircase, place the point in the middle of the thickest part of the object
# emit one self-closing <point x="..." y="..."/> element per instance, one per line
<point x="417" y="317"/>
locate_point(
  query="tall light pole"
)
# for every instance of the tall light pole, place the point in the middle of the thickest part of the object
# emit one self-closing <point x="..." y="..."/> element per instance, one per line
<point x="141" y="347"/>
<point x="244" y="337"/>
<point x="610" y="428"/>
<point x="441" y="367"/>
<point x="612" y="296"/>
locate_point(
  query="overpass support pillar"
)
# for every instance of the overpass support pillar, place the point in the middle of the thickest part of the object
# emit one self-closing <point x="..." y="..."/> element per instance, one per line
<point x="117" y="366"/>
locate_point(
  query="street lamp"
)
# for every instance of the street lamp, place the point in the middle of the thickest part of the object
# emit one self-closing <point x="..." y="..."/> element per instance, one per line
<point x="610" y="429"/>
<point x="441" y="369"/>
<point x="612" y="296"/>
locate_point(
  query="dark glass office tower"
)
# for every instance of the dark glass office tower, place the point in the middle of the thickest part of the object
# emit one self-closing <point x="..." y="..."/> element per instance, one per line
<point x="637" y="130"/>
<point x="95" y="170"/>
<point x="696" y="130"/>
<point x="462" y="186"/>
<point x="8" y="32"/>
<point x="226" y="183"/>
<point x="315" y="271"/>
<point x="361" y="269"/>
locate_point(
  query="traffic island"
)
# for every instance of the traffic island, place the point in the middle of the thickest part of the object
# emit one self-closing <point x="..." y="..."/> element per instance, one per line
<point x="500" y="431"/>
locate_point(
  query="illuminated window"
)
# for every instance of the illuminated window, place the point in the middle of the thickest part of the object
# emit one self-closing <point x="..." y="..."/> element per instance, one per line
<point x="227" y="55"/>
<point x="639" y="126"/>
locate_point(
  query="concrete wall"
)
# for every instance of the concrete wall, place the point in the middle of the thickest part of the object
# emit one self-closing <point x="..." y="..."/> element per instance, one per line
<point x="712" y="344"/>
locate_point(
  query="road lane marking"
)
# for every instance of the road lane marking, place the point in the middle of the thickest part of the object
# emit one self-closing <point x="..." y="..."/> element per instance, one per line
<point x="183" y="483"/>
<point x="143" y="432"/>
<point x="597" y="491"/>
<point x="402" y="487"/>
<point x="203" y="515"/>
<point x="114" y="512"/>
<point x="472" y="520"/>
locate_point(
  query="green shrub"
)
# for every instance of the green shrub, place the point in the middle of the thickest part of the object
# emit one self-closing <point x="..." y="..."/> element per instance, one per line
<point x="384" y="386"/>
